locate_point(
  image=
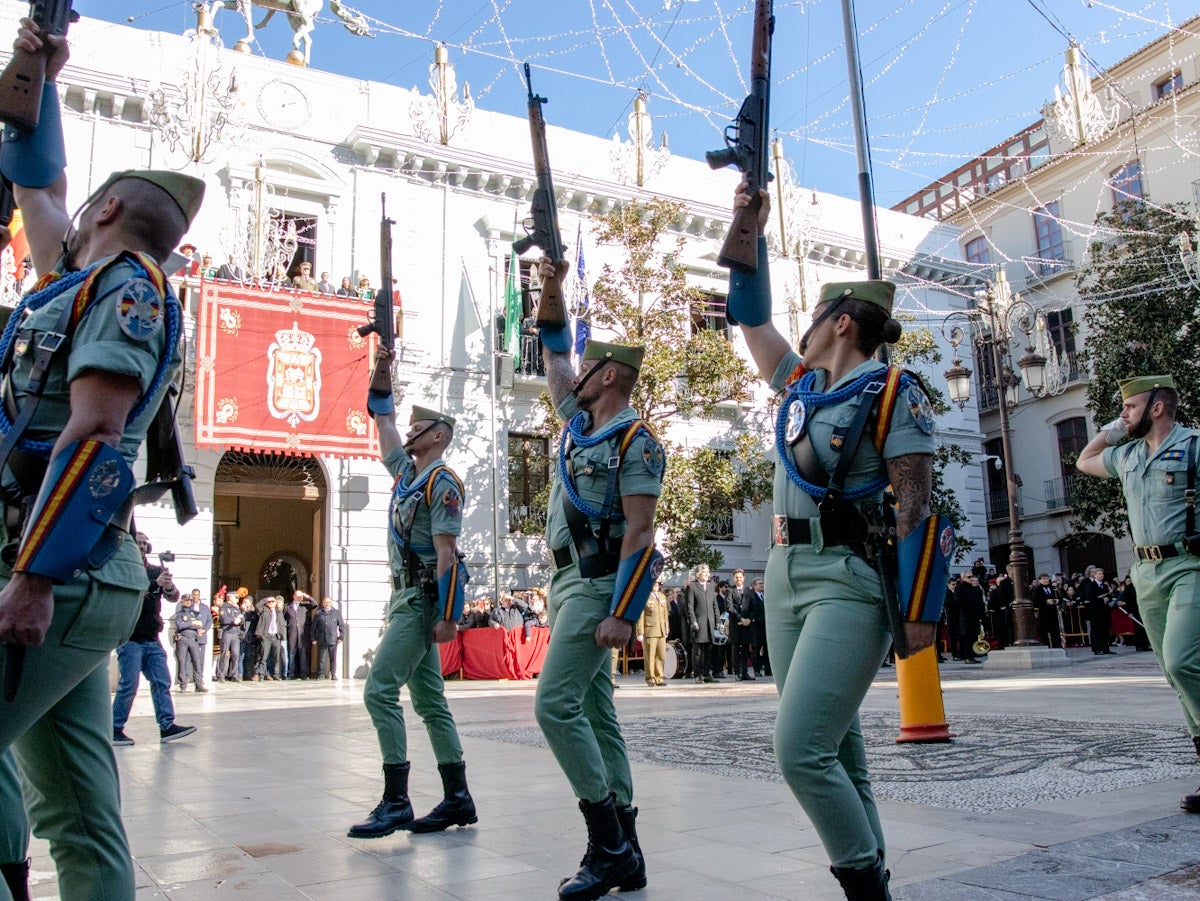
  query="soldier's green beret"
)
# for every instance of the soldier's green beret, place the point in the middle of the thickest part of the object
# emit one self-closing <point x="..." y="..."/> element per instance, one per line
<point x="186" y="190"/>
<point x="615" y="353"/>
<point x="425" y="414"/>
<point x="877" y="291"/>
<point x="1141" y="383"/>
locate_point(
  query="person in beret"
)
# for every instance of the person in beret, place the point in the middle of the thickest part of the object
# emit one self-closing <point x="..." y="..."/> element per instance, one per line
<point x="600" y="531"/>
<point x="425" y="520"/>
<point x="844" y="416"/>
<point x="73" y="582"/>
<point x="1156" y="466"/>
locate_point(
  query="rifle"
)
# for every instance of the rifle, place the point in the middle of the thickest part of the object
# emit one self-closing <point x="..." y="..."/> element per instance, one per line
<point x="23" y="78"/>
<point x="383" y="322"/>
<point x="544" y="233"/>
<point x="882" y="546"/>
<point x="746" y="147"/>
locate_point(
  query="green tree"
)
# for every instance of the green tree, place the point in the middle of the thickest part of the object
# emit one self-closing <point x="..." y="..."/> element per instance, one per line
<point x="919" y="345"/>
<point x="1142" y="309"/>
<point x="689" y="372"/>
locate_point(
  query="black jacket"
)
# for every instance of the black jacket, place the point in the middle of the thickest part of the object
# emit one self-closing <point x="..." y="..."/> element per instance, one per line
<point x="150" y="622"/>
<point x="327" y="626"/>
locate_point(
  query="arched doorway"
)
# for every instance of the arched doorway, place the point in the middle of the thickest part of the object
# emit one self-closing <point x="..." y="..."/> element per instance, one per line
<point x="1092" y="549"/>
<point x="269" y="528"/>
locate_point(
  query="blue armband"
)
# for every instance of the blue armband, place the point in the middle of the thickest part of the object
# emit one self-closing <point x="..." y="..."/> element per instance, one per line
<point x="558" y="340"/>
<point x="451" y="590"/>
<point x="380" y="404"/>
<point x="636" y="576"/>
<point x="923" y="564"/>
<point x="749" y="300"/>
<point x="86" y="484"/>
<point x="36" y="159"/>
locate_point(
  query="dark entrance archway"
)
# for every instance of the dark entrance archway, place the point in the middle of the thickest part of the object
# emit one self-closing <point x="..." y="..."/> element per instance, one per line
<point x="269" y="528"/>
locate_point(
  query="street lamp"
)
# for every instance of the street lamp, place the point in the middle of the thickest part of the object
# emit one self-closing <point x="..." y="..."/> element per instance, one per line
<point x="990" y="327"/>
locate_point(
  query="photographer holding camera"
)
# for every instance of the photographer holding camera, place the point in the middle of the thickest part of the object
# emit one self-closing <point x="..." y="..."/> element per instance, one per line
<point x="143" y="654"/>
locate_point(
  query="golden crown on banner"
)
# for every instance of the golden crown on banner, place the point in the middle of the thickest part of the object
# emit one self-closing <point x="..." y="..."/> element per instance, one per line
<point x="295" y="339"/>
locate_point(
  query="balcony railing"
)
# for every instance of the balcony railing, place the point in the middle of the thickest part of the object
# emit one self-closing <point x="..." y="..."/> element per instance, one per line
<point x="1051" y="262"/>
<point x="998" y="504"/>
<point x="1060" y="493"/>
<point x="526" y="519"/>
<point x="720" y="528"/>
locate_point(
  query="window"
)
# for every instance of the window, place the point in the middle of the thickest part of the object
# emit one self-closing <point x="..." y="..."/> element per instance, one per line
<point x="1048" y="233"/>
<point x="989" y="393"/>
<point x="1072" y="437"/>
<point x="529" y="347"/>
<point x="305" y="230"/>
<point x="978" y="250"/>
<point x="1127" y="186"/>
<point x="708" y="314"/>
<point x="1168" y="85"/>
<point x="528" y="476"/>
<point x="1060" y="332"/>
<point x="997" y="481"/>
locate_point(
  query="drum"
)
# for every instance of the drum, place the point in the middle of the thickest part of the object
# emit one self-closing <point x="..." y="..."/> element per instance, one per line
<point x="675" y="664"/>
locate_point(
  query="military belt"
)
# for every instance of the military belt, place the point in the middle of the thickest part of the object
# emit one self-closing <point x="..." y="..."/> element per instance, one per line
<point x="592" y="566"/>
<point x="787" y="531"/>
<point x="562" y="557"/>
<point x="1155" y="552"/>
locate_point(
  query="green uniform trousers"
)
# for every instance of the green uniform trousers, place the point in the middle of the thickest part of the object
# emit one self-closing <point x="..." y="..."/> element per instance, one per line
<point x="402" y="658"/>
<point x="1168" y="596"/>
<point x="14" y="836"/>
<point x="827" y="635"/>
<point x="59" y="729"/>
<point x="574" y="703"/>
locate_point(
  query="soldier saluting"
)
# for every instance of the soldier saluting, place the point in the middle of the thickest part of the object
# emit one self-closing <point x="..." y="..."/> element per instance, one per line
<point x="600" y="529"/>
<point x="88" y="357"/>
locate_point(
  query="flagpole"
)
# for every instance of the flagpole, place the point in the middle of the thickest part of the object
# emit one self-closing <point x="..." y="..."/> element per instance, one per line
<point x="861" y="146"/>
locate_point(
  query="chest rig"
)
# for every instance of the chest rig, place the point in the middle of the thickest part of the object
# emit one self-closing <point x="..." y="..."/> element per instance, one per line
<point x="597" y="553"/>
<point x="401" y="527"/>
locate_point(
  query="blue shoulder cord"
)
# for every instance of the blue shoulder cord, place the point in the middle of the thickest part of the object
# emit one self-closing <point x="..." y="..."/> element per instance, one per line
<point x="39" y="299"/>
<point x="404" y="492"/>
<point x="814" y="400"/>
<point x="572" y="434"/>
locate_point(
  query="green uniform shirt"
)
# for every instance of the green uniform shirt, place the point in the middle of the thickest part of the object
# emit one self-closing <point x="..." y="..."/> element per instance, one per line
<point x="442" y="516"/>
<point x="123" y="330"/>
<point x="911" y="432"/>
<point x="1154" y="486"/>
<point x="641" y="472"/>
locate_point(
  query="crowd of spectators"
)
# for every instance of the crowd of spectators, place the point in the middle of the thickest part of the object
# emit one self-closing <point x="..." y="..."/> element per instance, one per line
<point x="297" y="277"/>
<point x="1080" y="607"/>
<point x="518" y="609"/>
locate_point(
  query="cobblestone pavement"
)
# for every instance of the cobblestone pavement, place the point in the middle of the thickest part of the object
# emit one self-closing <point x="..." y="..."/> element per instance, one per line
<point x="1060" y="784"/>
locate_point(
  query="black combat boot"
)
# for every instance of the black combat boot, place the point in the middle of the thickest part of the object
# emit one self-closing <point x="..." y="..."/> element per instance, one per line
<point x="393" y="812"/>
<point x="864" y="883"/>
<point x="456" y="807"/>
<point x="610" y="859"/>
<point x="627" y="817"/>
<point x="1191" y="803"/>
<point x="16" y="877"/>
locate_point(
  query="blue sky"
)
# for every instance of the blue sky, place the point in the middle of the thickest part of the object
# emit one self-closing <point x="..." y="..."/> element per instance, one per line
<point x="945" y="79"/>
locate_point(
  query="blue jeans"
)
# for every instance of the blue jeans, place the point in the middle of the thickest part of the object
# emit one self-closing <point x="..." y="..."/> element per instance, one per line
<point x="149" y="659"/>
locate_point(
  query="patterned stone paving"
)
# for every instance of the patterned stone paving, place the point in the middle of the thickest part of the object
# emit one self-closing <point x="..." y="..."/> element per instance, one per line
<point x="994" y="763"/>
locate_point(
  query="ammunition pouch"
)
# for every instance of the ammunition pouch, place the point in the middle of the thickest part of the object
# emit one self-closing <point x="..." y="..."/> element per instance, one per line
<point x="81" y="513"/>
<point x="636" y="576"/>
<point x="597" y="566"/>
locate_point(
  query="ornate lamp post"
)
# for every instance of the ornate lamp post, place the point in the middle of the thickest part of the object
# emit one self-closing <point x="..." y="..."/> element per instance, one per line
<point x="990" y="328"/>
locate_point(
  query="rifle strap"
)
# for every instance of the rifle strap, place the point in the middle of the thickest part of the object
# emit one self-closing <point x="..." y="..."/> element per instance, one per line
<point x="870" y="396"/>
<point x="1189" y="495"/>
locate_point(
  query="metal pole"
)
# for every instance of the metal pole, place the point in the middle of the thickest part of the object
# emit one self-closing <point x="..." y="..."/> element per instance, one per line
<point x="861" y="146"/>
<point x="1018" y="555"/>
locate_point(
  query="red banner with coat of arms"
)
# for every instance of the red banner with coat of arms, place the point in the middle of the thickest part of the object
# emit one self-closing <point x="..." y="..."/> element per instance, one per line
<point x="283" y="372"/>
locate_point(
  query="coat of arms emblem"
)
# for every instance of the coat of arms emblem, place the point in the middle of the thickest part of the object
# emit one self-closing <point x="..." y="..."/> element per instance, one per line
<point x="294" y="376"/>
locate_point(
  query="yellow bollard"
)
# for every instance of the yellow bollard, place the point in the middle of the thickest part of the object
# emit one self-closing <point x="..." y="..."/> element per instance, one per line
<point x="922" y="714"/>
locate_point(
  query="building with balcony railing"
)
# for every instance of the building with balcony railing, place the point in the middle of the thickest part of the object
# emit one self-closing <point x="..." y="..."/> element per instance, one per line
<point x="1026" y="206"/>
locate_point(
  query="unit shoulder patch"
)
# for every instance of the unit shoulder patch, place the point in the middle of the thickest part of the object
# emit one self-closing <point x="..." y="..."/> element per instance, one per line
<point x="140" y="309"/>
<point x="921" y="408"/>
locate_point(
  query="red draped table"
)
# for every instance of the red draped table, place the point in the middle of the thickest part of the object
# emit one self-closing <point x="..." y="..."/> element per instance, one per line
<point x="495" y="653"/>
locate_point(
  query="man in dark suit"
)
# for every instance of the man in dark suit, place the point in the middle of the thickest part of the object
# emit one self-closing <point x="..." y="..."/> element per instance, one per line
<point x="1094" y="592"/>
<point x="741" y="621"/>
<point x="1045" y="602"/>
<point x="270" y="635"/>
<point x="700" y="605"/>
<point x="295" y="616"/>
<point x="968" y="598"/>
<point x="327" y="630"/>
<point x="758" y="635"/>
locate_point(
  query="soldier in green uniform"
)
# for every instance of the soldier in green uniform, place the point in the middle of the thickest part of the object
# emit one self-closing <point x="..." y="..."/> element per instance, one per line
<point x="848" y="427"/>
<point x="426" y="603"/>
<point x="88" y="357"/>
<point x="1157" y="469"/>
<point x="600" y="530"/>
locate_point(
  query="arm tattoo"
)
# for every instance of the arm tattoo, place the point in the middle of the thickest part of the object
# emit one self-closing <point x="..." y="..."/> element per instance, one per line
<point x="559" y="375"/>
<point x="912" y="482"/>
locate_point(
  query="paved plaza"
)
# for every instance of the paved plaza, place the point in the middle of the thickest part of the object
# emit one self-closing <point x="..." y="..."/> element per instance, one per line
<point x="1061" y="784"/>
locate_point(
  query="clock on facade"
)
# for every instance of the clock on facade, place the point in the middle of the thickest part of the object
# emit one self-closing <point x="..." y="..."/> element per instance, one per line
<point x="282" y="105"/>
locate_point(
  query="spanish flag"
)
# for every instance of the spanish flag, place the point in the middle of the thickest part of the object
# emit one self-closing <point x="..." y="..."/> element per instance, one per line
<point x="19" y="246"/>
